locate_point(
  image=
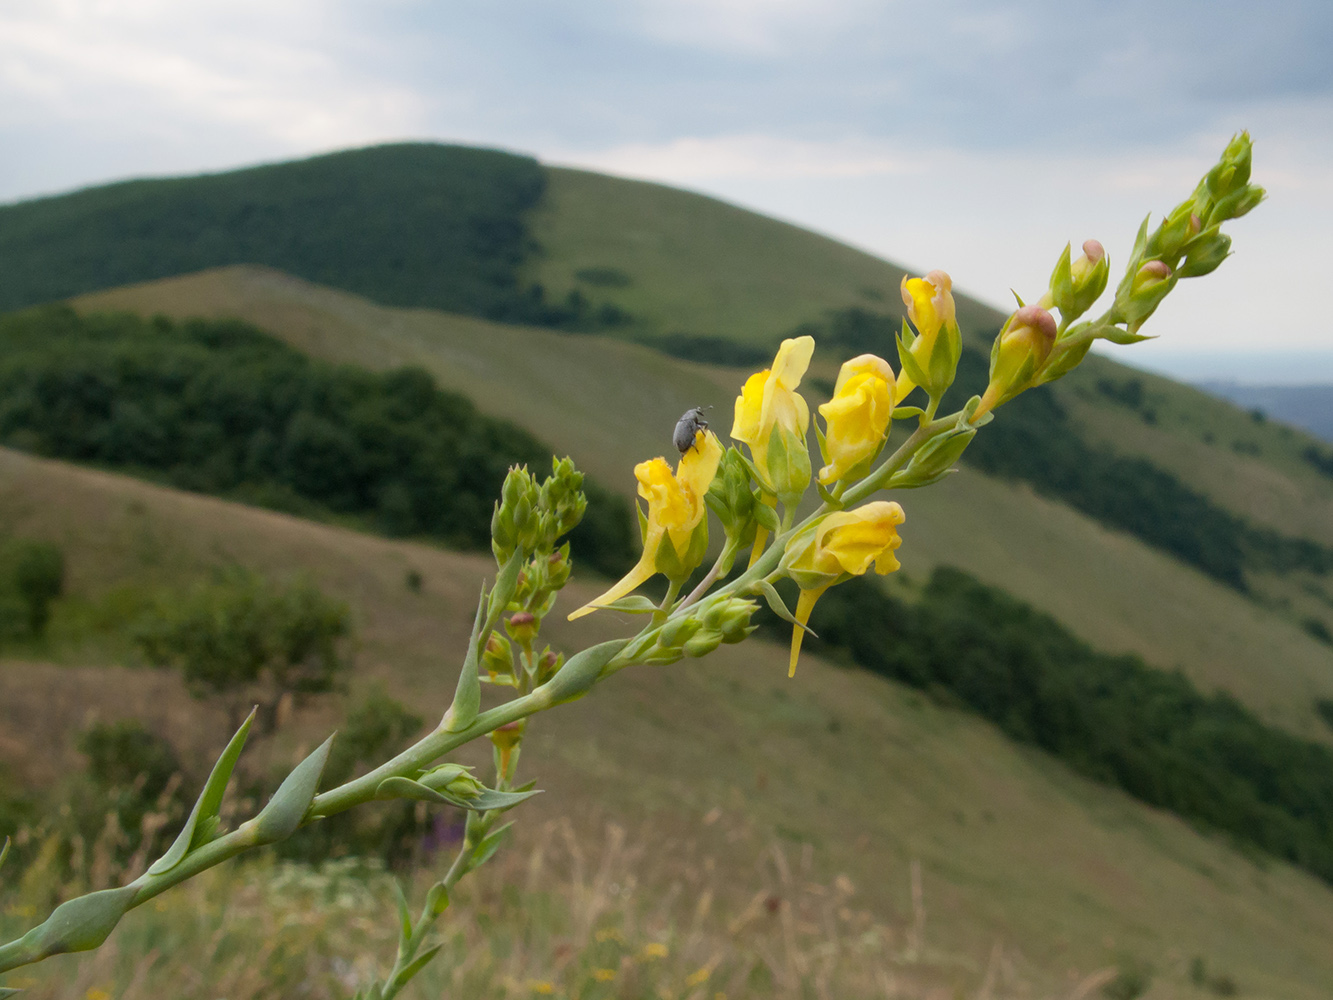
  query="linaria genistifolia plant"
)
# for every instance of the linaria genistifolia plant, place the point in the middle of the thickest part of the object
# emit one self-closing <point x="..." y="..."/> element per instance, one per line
<point x="754" y="493"/>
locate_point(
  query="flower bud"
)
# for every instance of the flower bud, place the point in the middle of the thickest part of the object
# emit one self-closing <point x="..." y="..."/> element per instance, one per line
<point x="509" y="735"/>
<point x="1205" y="254"/>
<point x="454" y="779"/>
<point x="678" y="631"/>
<point x="548" y="664"/>
<point x="702" y="643"/>
<point x="1076" y="286"/>
<point x="497" y="659"/>
<point x="522" y="627"/>
<point x="1150" y="285"/>
<point x="1018" y="353"/>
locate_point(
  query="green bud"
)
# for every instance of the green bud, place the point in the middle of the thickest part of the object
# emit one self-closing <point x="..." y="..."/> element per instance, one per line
<point x="1150" y="285"/>
<point x="702" y="643"/>
<point x="548" y="664"/>
<point x="676" y="632"/>
<point x="1205" y="254"/>
<point x="497" y="659"/>
<point x="1076" y="285"/>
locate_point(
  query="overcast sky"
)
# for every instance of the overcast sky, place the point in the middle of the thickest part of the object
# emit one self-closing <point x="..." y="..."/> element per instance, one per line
<point x="974" y="136"/>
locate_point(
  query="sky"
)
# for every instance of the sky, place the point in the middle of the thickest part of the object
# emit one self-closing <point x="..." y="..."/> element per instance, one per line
<point x="968" y="135"/>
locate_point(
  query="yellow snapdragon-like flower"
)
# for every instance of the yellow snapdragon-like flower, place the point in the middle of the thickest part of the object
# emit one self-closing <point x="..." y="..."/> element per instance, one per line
<point x="773" y="418"/>
<point x="676" y="537"/>
<point x="857" y="418"/>
<point x="938" y="342"/>
<point x="845" y="543"/>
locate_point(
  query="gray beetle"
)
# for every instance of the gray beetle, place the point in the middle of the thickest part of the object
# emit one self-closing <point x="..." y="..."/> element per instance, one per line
<point x="687" y="428"/>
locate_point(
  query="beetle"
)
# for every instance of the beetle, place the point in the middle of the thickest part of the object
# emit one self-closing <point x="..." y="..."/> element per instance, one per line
<point x="688" y="428"/>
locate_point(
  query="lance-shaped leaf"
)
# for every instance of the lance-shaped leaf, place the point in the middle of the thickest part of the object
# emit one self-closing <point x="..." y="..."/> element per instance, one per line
<point x="903" y="412"/>
<point x="80" y="924"/>
<point x="467" y="696"/>
<point x="437" y="899"/>
<point x="487" y="848"/>
<point x="506" y="584"/>
<point x="6" y="992"/>
<point x="581" y="672"/>
<point x="204" y="816"/>
<point x="635" y="604"/>
<point x="416" y="965"/>
<point x="404" y="922"/>
<point x="774" y="600"/>
<point x="280" y="818"/>
<point x="484" y="801"/>
<point x="4" y="852"/>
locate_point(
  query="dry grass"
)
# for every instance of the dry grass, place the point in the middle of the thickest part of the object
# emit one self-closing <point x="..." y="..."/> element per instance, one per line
<point x="720" y="759"/>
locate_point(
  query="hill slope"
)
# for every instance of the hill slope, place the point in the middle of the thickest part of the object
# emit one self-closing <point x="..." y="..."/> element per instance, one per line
<point x="612" y="404"/>
<point x="1065" y="874"/>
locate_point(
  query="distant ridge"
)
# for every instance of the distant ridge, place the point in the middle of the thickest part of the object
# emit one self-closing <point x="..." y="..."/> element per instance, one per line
<point x="415" y="224"/>
<point x="1309" y="407"/>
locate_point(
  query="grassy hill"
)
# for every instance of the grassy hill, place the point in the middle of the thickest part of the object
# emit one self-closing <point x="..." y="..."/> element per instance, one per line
<point x="611" y="404"/>
<point x="720" y="760"/>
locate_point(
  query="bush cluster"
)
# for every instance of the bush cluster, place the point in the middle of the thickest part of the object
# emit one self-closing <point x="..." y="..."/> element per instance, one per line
<point x="1111" y="718"/>
<point x="220" y="407"/>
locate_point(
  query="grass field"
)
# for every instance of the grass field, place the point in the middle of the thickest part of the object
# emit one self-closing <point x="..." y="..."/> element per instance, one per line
<point x="611" y="404"/>
<point x="712" y="766"/>
<point x="700" y="266"/>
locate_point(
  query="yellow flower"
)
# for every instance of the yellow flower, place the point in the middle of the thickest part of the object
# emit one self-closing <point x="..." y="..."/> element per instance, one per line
<point x="653" y="950"/>
<point x="773" y="418"/>
<point x="930" y="307"/>
<point x="604" y="975"/>
<point x="857" y="418"/>
<point x="676" y="536"/>
<point x="843" y="544"/>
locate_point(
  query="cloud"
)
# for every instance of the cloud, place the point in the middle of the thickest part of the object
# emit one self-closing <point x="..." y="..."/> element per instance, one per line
<point x="155" y="66"/>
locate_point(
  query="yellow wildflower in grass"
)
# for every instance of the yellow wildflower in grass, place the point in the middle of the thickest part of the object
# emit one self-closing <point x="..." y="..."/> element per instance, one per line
<point x="931" y="309"/>
<point x="698" y="977"/>
<point x="541" y="987"/>
<point x="604" y="975"/>
<point x="676" y="536"/>
<point x="856" y="419"/>
<point x="773" y="418"/>
<point x="843" y="544"/>
<point x="653" y="950"/>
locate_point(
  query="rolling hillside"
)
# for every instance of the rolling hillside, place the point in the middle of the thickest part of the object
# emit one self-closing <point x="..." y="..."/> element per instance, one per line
<point x="1068" y="877"/>
<point x="541" y="295"/>
<point x="1114" y="591"/>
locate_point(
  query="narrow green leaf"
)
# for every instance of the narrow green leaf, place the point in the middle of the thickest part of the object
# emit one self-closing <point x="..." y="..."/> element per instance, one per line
<point x="581" y="671"/>
<point x="437" y="899"/>
<point x="903" y="412"/>
<point x="484" y="801"/>
<point x="6" y="992"/>
<point x="404" y="921"/>
<point x="826" y="496"/>
<point x="417" y="964"/>
<point x="909" y="365"/>
<point x="506" y="583"/>
<point x="467" y="696"/>
<point x="203" y="816"/>
<point x="4" y="852"/>
<point x="81" y="924"/>
<point x="635" y="604"/>
<point x="283" y="815"/>
<point x="487" y="848"/>
<point x="775" y="602"/>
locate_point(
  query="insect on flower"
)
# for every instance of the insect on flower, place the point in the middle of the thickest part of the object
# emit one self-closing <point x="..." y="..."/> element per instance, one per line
<point x="688" y="428"/>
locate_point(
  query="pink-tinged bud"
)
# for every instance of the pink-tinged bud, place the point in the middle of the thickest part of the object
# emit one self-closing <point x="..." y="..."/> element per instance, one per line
<point x="1076" y="286"/>
<point x="1017" y="355"/>
<point x="1149" y="286"/>
<point x="522" y="627"/>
